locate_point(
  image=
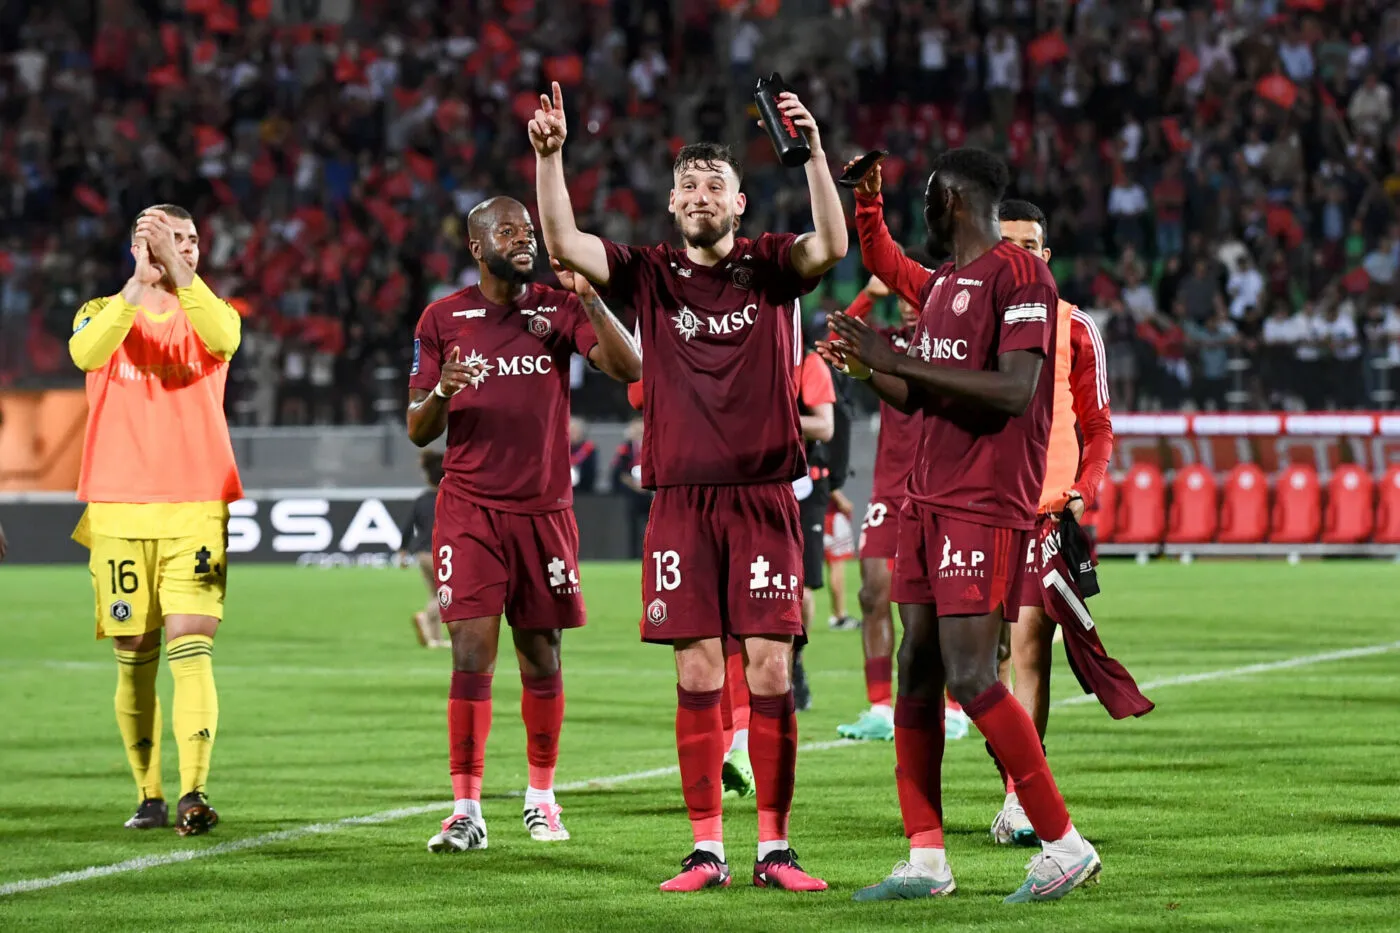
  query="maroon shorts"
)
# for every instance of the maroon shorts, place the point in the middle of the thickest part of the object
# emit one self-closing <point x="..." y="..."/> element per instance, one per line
<point x="722" y="560"/>
<point x="488" y="563"/>
<point x="1040" y="551"/>
<point x="879" y="533"/>
<point x="960" y="568"/>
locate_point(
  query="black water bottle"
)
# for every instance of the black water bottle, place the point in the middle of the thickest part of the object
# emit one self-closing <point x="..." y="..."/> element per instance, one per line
<point x="791" y="145"/>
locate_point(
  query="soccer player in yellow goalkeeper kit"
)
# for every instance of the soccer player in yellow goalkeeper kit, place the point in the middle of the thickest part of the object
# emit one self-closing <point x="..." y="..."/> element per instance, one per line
<point x="158" y="474"/>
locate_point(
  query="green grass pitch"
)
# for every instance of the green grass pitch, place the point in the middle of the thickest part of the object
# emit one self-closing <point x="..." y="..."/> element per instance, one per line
<point x="1262" y="799"/>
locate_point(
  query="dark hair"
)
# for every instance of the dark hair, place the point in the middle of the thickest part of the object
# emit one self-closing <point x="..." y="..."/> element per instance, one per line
<point x="431" y="461"/>
<point x="172" y="210"/>
<point x="708" y="155"/>
<point x="978" y="168"/>
<point x="1014" y="209"/>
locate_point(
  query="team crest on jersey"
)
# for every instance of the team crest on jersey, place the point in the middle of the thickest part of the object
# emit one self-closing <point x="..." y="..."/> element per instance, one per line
<point x="121" y="610"/>
<point x="961" y="300"/>
<point x="540" y="326"/>
<point x="476" y="359"/>
<point x="741" y="277"/>
<point x="687" y="323"/>
<point x="656" y="611"/>
<point x="444" y="596"/>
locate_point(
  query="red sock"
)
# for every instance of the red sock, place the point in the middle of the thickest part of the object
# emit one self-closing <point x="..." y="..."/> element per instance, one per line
<point x="542" y="709"/>
<point x="468" y="725"/>
<point x="1012" y="735"/>
<point x="738" y="685"/>
<point x="952" y="704"/>
<point x="1006" y="781"/>
<point x="773" y="752"/>
<point x="698" y="737"/>
<point x="918" y="772"/>
<point x="879" y="679"/>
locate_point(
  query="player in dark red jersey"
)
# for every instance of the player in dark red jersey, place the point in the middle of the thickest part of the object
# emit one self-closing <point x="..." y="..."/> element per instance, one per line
<point x="491" y="368"/>
<point x="894" y="456"/>
<point x="721" y="335"/>
<point x="975" y="369"/>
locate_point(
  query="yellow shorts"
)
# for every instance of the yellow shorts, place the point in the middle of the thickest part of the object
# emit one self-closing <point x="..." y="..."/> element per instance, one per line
<point x="140" y="581"/>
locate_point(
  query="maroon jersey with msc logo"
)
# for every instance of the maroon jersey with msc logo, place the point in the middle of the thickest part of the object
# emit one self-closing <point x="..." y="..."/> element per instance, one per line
<point x="899" y="436"/>
<point x="720" y="344"/>
<point x="507" y="435"/>
<point x="973" y="464"/>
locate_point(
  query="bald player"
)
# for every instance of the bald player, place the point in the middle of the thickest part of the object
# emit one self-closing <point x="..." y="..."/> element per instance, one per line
<point x="491" y="368"/>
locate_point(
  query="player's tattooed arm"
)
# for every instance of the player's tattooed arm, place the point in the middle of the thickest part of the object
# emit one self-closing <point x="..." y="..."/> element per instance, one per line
<point x="427" y="411"/>
<point x="582" y="252"/>
<point x="616" y="352"/>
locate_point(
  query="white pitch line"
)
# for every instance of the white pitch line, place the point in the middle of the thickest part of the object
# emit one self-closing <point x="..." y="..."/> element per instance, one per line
<point x="1248" y="669"/>
<point x="387" y="816"/>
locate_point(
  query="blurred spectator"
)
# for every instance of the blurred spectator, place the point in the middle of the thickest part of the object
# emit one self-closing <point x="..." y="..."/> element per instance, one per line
<point x="331" y="165"/>
<point x="583" y="457"/>
<point x="1212" y="343"/>
<point x="627" y="480"/>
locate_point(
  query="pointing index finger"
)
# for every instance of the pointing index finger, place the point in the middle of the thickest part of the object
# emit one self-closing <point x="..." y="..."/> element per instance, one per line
<point x="558" y="96"/>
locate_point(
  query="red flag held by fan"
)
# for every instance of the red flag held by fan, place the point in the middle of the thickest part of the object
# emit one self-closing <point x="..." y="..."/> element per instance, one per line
<point x="1278" y="90"/>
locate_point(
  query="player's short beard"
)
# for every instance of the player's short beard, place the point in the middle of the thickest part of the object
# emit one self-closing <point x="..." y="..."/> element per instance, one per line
<point x="708" y="234"/>
<point x="504" y="269"/>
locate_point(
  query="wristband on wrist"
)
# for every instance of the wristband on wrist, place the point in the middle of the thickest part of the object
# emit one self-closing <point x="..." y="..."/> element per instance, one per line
<point x="437" y="390"/>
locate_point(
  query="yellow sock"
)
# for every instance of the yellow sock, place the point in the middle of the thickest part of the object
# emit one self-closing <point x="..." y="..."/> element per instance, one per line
<point x="196" y="713"/>
<point x="138" y="717"/>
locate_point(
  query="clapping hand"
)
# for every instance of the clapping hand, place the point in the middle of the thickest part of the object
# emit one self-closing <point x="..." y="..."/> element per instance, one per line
<point x="862" y="343"/>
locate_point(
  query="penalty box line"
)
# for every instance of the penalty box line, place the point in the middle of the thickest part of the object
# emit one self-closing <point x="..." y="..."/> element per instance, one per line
<point x="144" y="862"/>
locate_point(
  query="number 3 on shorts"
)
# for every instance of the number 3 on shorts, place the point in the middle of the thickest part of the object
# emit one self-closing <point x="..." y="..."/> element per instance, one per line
<point x="444" y="563"/>
<point x="668" y="569"/>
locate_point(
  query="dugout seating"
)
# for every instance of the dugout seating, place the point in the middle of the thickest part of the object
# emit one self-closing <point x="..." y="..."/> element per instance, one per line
<point x="1103" y="516"/>
<point x="1297" y="515"/>
<point x="1387" y="529"/>
<point x="1142" y="512"/>
<point x="1195" y="513"/>
<point x="1244" y="508"/>
<point x="1350" y="516"/>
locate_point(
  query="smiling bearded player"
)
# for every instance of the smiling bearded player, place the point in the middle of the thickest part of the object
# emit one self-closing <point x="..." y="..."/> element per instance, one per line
<point x="721" y="336"/>
<point x="491" y="369"/>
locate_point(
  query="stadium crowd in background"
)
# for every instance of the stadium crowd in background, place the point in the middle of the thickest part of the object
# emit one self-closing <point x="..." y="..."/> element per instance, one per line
<point x="1220" y="176"/>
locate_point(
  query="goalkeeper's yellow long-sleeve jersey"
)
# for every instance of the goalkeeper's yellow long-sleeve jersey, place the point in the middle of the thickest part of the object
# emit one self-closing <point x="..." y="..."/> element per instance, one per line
<point x="157" y="442"/>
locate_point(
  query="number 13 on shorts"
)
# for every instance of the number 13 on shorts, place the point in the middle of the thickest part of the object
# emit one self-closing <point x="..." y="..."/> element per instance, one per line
<point x="668" y="570"/>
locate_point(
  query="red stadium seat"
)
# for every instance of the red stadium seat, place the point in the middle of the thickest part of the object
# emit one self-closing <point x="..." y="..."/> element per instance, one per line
<point x="1101" y="516"/>
<point x="1351" y="508"/>
<point x="1244" y="509"/>
<point x="1388" y="508"/>
<point x="1142" y="512"/>
<point x="1195" y="510"/>
<point x="1297" y="506"/>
